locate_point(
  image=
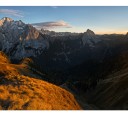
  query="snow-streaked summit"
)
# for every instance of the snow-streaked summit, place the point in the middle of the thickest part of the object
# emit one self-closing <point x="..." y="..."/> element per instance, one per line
<point x="20" y="40"/>
<point x="7" y="19"/>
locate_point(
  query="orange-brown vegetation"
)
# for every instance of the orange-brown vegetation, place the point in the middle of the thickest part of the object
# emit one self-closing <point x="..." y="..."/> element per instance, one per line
<point x="19" y="92"/>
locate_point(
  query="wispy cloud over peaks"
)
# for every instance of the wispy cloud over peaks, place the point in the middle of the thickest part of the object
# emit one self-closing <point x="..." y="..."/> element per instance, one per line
<point x="52" y="24"/>
<point x="16" y="13"/>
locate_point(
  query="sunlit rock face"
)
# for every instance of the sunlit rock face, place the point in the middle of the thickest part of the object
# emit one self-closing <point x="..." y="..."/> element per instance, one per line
<point x="20" y="40"/>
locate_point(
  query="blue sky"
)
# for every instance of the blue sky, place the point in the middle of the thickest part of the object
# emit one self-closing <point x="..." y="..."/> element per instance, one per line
<point x="102" y="19"/>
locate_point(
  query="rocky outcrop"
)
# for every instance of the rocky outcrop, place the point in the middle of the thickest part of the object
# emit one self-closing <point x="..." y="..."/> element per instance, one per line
<point x="90" y="38"/>
<point x="20" y="40"/>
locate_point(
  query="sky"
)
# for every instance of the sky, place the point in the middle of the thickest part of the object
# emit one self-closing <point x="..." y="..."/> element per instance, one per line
<point x="100" y="19"/>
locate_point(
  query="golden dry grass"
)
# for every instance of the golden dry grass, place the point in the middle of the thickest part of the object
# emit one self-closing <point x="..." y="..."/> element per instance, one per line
<point x="33" y="94"/>
<point x="19" y="92"/>
<point x="3" y="58"/>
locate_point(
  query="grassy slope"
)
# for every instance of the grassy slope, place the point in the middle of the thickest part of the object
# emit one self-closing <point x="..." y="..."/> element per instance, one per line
<point x="19" y="92"/>
<point x="112" y="92"/>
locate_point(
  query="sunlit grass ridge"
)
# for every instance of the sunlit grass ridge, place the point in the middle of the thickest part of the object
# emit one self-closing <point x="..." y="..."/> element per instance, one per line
<point x="19" y="92"/>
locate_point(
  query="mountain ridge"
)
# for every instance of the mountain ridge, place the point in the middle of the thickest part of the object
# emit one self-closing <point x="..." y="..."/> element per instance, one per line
<point x="82" y="63"/>
<point x="19" y="91"/>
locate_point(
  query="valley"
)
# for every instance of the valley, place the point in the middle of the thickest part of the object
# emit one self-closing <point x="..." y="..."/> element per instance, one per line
<point x="47" y="70"/>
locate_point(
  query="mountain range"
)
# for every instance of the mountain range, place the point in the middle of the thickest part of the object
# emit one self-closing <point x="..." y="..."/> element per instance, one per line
<point x="90" y="67"/>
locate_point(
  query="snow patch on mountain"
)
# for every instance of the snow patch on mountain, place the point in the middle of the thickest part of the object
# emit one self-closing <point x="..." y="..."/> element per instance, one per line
<point x="20" y="40"/>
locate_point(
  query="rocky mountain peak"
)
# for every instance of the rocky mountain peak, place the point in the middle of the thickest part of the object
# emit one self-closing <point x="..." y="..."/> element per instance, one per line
<point x="90" y="32"/>
<point x="7" y="24"/>
<point x="7" y="19"/>
<point x="89" y="38"/>
<point x="126" y="36"/>
<point x="20" y="40"/>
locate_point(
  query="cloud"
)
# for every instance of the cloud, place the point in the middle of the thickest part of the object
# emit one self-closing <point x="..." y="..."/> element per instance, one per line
<point x="52" y="24"/>
<point x="11" y="12"/>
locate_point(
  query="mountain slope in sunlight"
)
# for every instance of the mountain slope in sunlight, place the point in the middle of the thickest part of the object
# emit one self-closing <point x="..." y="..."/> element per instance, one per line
<point x="20" y="92"/>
